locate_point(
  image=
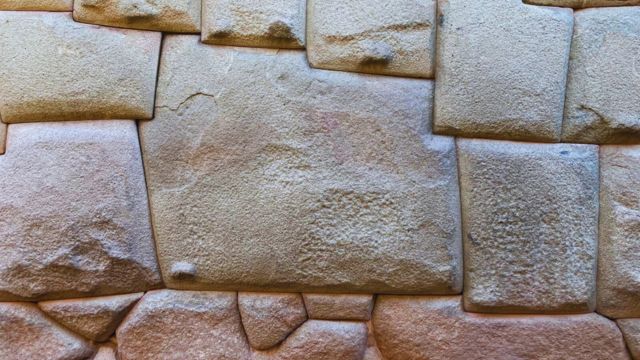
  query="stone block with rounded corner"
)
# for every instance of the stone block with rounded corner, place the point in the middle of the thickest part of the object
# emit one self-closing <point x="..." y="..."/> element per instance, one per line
<point x="56" y="69"/>
<point x="631" y="330"/>
<point x="316" y="181"/>
<point x="502" y="68"/>
<point x="603" y="88"/>
<point x="36" y="5"/>
<point x="370" y="36"/>
<point x="583" y="3"/>
<point x="530" y="225"/>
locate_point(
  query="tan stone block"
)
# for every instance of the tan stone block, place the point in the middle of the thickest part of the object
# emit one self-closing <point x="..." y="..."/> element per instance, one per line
<point x="502" y="69"/>
<point x="56" y="69"/>
<point x="106" y="351"/>
<point x="631" y="331"/>
<point x="583" y="3"/>
<point x="371" y="36"/>
<point x="36" y="5"/>
<point x="339" y="306"/>
<point x="3" y="137"/>
<point x="530" y="215"/>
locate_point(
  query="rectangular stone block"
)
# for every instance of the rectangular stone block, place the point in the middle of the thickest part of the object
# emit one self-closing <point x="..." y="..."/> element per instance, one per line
<point x="36" y="5"/>
<point x="530" y="221"/>
<point x="583" y="3"/>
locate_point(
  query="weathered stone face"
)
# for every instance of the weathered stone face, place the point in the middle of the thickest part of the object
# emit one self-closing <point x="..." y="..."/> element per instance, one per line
<point x="583" y="3"/>
<point x="74" y="218"/>
<point x="373" y="36"/>
<point x="36" y="5"/>
<point x="530" y="215"/>
<point x="631" y="331"/>
<point x="320" y="181"/>
<point x="338" y="306"/>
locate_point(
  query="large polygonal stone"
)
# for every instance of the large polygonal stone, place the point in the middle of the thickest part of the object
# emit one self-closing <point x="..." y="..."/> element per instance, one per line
<point x="74" y="216"/>
<point x="372" y="36"/>
<point x="37" y="5"/>
<point x="603" y="89"/>
<point x="619" y="249"/>
<point x="56" y="69"/>
<point x="502" y="69"/>
<point x="316" y="180"/>
<point x="583" y="3"/>
<point x="530" y="215"/>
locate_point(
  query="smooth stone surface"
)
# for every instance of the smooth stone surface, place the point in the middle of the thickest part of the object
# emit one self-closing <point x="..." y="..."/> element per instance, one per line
<point x="36" y="5"/>
<point x="106" y="351"/>
<point x="268" y="318"/>
<point x="56" y="69"/>
<point x="583" y="3"/>
<point x="26" y="333"/>
<point x="324" y="181"/>
<point x="74" y="199"/>
<point x="94" y="318"/>
<point x="371" y="36"/>
<point x="530" y="215"/>
<point x="159" y="15"/>
<point x="338" y="306"/>
<point x="169" y="324"/>
<point x="631" y="331"/>
<point x="264" y="23"/>
<point x="619" y="247"/>
<point x="603" y="87"/>
<point x="502" y="69"/>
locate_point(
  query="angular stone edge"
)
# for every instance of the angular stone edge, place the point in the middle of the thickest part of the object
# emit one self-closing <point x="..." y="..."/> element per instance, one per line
<point x="33" y="5"/>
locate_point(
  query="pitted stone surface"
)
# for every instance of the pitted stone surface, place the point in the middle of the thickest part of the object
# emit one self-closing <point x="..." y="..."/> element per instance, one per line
<point x="502" y="69"/>
<point x="26" y="333"/>
<point x="36" y="5"/>
<point x="530" y="215"/>
<point x="158" y="15"/>
<point x="323" y="181"/>
<point x="371" y="36"/>
<point x="74" y="199"/>
<point x="619" y="247"/>
<point x="421" y="328"/>
<point x="583" y="3"/>
<point x="339" y="306"/>
<point x="631" y="331"/>
<point x="94" y="318"/>
<point x="56" y="69"/>
<point x="603" y="87"/>
<point x="264" y="23"/>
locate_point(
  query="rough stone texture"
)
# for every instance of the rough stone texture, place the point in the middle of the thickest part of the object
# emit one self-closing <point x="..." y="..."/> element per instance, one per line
<point x="26" y="333"/>
<point x="37" y="5"/>
<point x="338" y="307"/>
<point x="372" y="36"/>
<point x="158" y="15"/>
<point x="530" y="215"/>
<point x="604" y="77"/>
<point x="106" y="351"/>
<point x="431" y="328"/>
<point x="74" y="199"/>
<point x="265" y="23"/>
<point x="168" y="324"/>
<point x="268" y="318"/>
<point x="56" y="69"/>
<point x="583" y="3"/>
<point x="94" y="318"/>
<point x="631" y="331"/>
<point x="3" y="137"/>
<point x="323" y="181"/>
<point x="619" y="246"/>
<point x="502" y="69"/>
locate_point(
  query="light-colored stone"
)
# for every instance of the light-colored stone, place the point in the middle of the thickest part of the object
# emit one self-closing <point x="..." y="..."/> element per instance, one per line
<point x="583" y="3"/>
<point x="74" y="216"/>
<point x="631" y="331"/>
<point x="264" y="23"/>
<point x="339" y="306"/>
<point x="268" y="318"/>
<point x="320" y="181"/>
<point x="159" y="15"/>
<point x="603" y="87"/>
<point x="36" y="5"/>
<point x="26" y="333"/>
<point x="94" y="318"/>
<point x="56" y="69"/>
<point x="619" y="246"/>
<point x="530" y="215"/>
<point x="372" y="36"/>
<point x="420" y="328"/>
<point x="169" y="324"/>
<point x="502" y="69"/>
<point x="106" y="351"/>
<point x="3" y="137"/>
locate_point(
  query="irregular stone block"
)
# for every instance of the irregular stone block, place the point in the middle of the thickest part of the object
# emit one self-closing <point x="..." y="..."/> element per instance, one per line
<point x="604" y="77"/>
<point x="325" y="181"/>
<point x="26" y="333"/>
<point x="583" y="3"/>
<point x="37" y="5"/>
<point x="502" y="69"/>
<point x="56" y="69"/>
<point x="424" y="327"/>
<point x="338" y="307"/>
<point x="94" y="318"/>
<point x="619" y="247"/>
<point x="265" y="23"/>
<point x="158" y="15"/>
<point x="106" y="351"/>
<point x="631" y="331"/>
<point x="370" y="36"/>
<point x="74" y="199"/>
<point x="268" y="318"/>
<point x="168" y="324"/>
<point x="530" y="215"/>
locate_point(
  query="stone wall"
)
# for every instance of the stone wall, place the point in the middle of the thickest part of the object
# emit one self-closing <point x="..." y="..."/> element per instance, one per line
<point x="321" y="179"/>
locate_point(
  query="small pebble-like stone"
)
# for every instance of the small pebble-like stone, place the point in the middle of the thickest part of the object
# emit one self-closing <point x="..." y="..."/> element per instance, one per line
<point x="338" y="306"/>
<point x="631" y="331"/>
<point x="36" y="5"/>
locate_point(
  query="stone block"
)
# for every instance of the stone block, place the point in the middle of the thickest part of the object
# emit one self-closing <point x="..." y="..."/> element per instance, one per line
<point x="36" y="5"/>
<point x="583" y="3"/>
<point x="339" y="306"/>
<point x="631" y="331"/>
